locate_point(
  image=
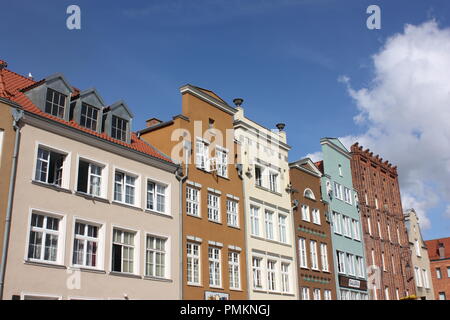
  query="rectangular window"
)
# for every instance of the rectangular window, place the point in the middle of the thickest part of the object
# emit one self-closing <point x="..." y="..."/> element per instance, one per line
<point x="123" y="251"/>
<point x="282" y="230"/>
<point x="351" y="264"/>
<point x="269" y="224"/>
<point x="337" y="189"/>
<point x="386" y="293"/>
<point x="373" y="257"/>
<point x="389" y="232"/>
<point x="426" y="284"/>
<point x="119" y="128"/>
<point x="192" y="201"/>
<point x="314" y="258"/>
<point x="89" y="178"/>
<point x="324" y="257"/>
<point x="156" y="197"/>
<point x="448" y="272"/>
<point x="234" y="270"/>
<point x="271" y="275"/>
<point x="85" y="245"/>
<point x="222" y="162"/>
<point x="341" y="261"/>
<point x="417" y="246"/>
<point x="382" y="261"/>
<point x="155" y="264"/>
<point x="305" y="213"/>
<point x="336" y="222"/>
<point x="442" y="296"/>
<point x="302" y="253"/>
<point x="213" y="207"/>
<point x="316" y="216"/>
<point x="124" y="188"/>
<point x="89" y="116"/>
<point x="232" y="213"/>
<point x="193" y="263"/>
<point x="214" y="267"/>
<point x="55" y="103"/>
<point x="398" y="235"/>
<point x="379" y="230"/>
<point x="257" y="273"/>
<point x="254" y="220"/>
<point x="356" y="233"/>
<point x="348" y="195"/>
<point x="316" y="294"/>
<point x="305" y="293"/>
<point x="49" y="167"/>
<point x="358" y="266"/>
<point x="393" y="264"/>
<point x="258" y="176"/>
<point x="397" y="293"/>
<point x="273" y="181"/>
<point x="438" y="273"/>
<point x="44" y="238"/>
<point x="201" y="154"/>
<point x="285" y="277"/>
<point x="369" y="225"/>
<point x="327" y="294"/>
<point x="418" y="275"/>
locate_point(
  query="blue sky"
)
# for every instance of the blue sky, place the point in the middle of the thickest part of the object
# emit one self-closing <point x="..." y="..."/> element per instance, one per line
<point x="284" y="57"/>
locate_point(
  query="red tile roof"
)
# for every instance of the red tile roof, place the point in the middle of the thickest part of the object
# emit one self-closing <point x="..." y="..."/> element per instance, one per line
<point x="14" y="85"/>
<point x="319" y="165"/>
<point x="433" y="248"/>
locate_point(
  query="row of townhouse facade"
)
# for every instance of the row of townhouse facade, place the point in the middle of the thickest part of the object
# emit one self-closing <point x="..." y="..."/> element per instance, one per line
<point x="203" y="206"/>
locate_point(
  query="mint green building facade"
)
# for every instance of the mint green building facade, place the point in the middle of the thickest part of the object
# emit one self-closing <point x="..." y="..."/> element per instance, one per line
<point x="346" y="234"/>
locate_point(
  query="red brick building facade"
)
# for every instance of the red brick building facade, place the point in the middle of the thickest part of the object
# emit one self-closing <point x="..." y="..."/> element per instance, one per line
<point x="385" y="236"/>
<point x="439" y="254"/>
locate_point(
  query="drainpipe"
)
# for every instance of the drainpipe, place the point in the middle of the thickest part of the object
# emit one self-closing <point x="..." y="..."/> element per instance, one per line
<point x="17" y="115"/>
<point x="180" y="177"/>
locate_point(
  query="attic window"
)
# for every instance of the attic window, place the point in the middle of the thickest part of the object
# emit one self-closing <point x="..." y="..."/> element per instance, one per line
<point x="119" y="128"/>
<point x="55" y="103"/>
<point x="89" y="117"/>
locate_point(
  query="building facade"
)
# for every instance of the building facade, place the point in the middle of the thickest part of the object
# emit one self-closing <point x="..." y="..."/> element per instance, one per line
<point x="384" y="230"/>
<point x="439" y="253"/>
<point x="347" y="239"/>
<point x="316" y="279"/>
<point x="268" y="214"/>
<point x="95" y="209"/>
<point x="419" y="257"/>
<point x="202" y="138"/>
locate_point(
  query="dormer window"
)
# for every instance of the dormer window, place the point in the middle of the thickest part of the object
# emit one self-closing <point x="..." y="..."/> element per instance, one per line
<point x="89" y="116"/>
<point x="55" y="103"/>
<point x="119" y="128"/>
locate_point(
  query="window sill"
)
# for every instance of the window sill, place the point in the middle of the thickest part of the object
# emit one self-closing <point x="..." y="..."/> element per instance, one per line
<point x="216" y="222"/>
<point x="126" y="205"/>
<point x="193" y="216"/>
<point x="88" y="196"/>
<point x="236" y="290"/>
<point x="259" y="290"/>
<point x="125" y="275"/>
<point x="271" y="241"/>
<point x="159" y="214"/>
<point x="50" y="186"/>
<point x="157" y="279"/>
<point x="45" y="264"/>
<point x="234" y="227"/>
<point x="268" y="190"/>
<point x="87" y="269"/>
<point x="197" y="285"/>
<point x="216" y="287"/>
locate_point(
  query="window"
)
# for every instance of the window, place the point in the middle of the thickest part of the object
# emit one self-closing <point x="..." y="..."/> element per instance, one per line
<point x="302" y="253"/>
<point x="89" y="116"/>
<point x="316" y="216"/>
<point x="398" y="235"/>
<point x="233" y="270"/>
<point x="341" y="261"/>
<point x="397" y="293"/>
<point x="448" y="272"/>
<point x="285" y="277"/>
<point x="214" y="267"/>
<point x="305" y="293"/>
<point x="232" y="213"/>
<point x="389" y="232"/>
<point x="305" y="213"/>
<point x="442" y="296"/>
<point x="348" y="195"/>
<point x="213" y="207"/>
<point x="324" y="257"/>
<point x="347" y="226"/>
<point x="222" y="162"/>
<point x="373" y="257"/>
<point x="376" y="203"/>
<point x="386" y="293"/>
<point x="438" y="273"/>
<point x="44" y="238"/>
<point x="193" y="263"/>
<point x="393" y="264"/>
<point x="340" y="170"/>
<point x="155" y="264"/>
<point x="254" y="220"/>
<point x="201" y="154"/>
<point x="417" y="246"/>
<point x="309" y="194"/>
<point x="156" y="197"/>
<point x="269" y="224"/>
<point x="379" y="230"/>
<point x="49" y="167"/>
<point x="119" y="128"/>
<point x="124" y="188"/>
<point x="366" y="199"/>
<point x="356" y="234"/>
<point x="85" y="245"/>
<point x="55" y="103"/>
<point x="271" y="282"/>
<point x="327" y="294"/>
<point x="338" y="190"/>
<point x="192" y="201"/>
<point x="257" y="273"/>
<point x="314" y="258"/>
<point x="89" y="178"/>
<point x="258" y="176"/>
<point x="123" y="251"/>
<point x="358" y="266"/>
<point x="336" y="222"/>
<point x="418" y="275"/>
<point x="426" y="283"/>
<point x="316" y="294"/>
<point x="273" y="181"/>
<point x="382" y="261"/>
<point x="351" y="264"/>
<point x="369" y="225"/>
<point x="282" y="230"/>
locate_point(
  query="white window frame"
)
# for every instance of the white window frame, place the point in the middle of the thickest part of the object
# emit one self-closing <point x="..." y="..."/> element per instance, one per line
<point x="257" y="273"/>
<point x="193" y="201"/>
<point x="327" y="294"/>
<point x="337" y="227"/>
<point x="135" y="246"/>
<point x="234" y="270"/>
<point x="255" y="220"/>
<point x="273" y="182"/>
<point x="214" y="207"/>
<point x="347" y="195"/>
<point x="356" y="233"/>
<point x="271" y="275"/>
<point x="232" y="213"/>
<point x="103" y="176"/>
<point x="324" y="257"/>
<point x="166" y="253"/>
<point x="202" y="154"/>
<point x="222" y="161"/>
<point x="305" y="213"/>
<point x="303" y="260"/>
<point x="314" y="256"/>
<point x="341" y="261"/>
<point x="283" y="228"/>
<point x="268" y="224"/>
<point x="124" y="185"/>
<point x="100" y="243"/>
<point x="316" y="294"/>
<point x="316" y="216"/>
<point x="155" y="195"/>
<point x="285" y="277"/>
<point x="216" y="262"/>
<point x="191" y="258"/>
<point x="417" y="247"/>
<point x="65" y="177"/>
<point x="305" y="293"/>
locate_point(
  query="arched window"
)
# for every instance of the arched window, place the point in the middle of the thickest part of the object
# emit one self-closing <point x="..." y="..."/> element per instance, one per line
<point x="309" y="194"/>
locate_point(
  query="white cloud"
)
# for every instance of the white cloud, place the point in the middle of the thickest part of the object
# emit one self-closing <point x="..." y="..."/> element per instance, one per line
<point x="406" y="110"/>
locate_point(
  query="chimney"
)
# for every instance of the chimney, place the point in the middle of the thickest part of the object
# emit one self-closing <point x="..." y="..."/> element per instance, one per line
<point x="238" y="102"/>
<point x="441" y="250"/>
<point x="152" y="122"/>
<point x="280" y="126"/>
